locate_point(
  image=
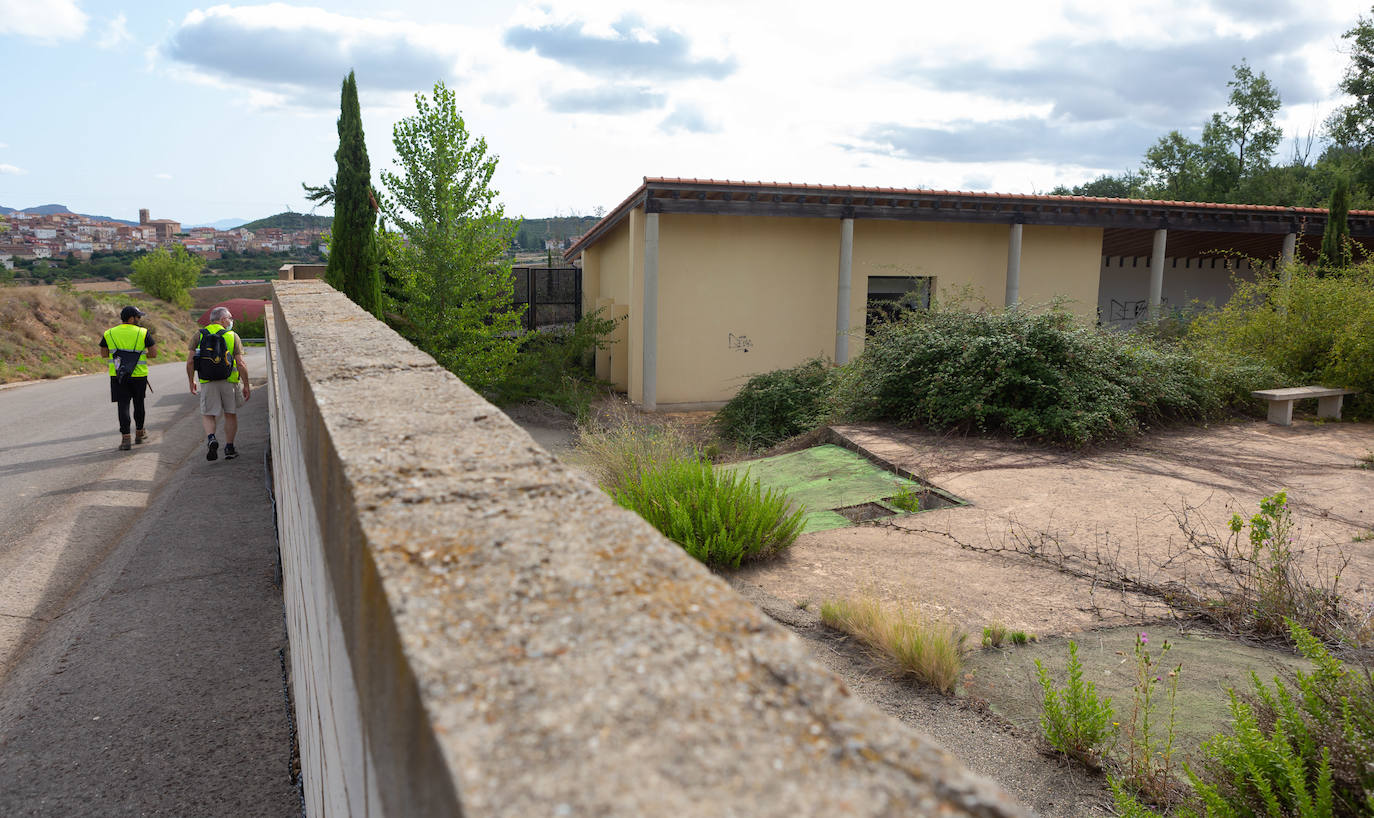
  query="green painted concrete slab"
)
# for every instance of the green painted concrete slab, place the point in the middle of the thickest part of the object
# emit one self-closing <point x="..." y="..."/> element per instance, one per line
<point x="824" y="478"/>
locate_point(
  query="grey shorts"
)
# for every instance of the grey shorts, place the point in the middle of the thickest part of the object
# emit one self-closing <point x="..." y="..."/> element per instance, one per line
<point x="220" y="397"/>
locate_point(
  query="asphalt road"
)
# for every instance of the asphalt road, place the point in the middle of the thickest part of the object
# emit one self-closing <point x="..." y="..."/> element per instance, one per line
<point x="139" y="623"/>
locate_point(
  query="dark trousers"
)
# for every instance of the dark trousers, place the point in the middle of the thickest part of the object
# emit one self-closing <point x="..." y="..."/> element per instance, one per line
<point x="132" y="392"/>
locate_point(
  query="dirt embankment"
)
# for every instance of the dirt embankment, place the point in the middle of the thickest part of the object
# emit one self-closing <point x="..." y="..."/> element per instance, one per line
<point x="47" y="332"/>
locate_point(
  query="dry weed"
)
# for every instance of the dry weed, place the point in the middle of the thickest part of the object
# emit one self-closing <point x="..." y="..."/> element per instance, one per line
<point x="931" y="650"/>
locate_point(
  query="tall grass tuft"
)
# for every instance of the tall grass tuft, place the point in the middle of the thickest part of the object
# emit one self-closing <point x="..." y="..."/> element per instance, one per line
<point x="719" y="517"/>
<point x="930" y="650"/>
<point x="617" y="449"/>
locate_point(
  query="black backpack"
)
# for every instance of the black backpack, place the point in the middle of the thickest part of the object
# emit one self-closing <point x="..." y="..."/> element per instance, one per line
<point x="127" y="360"/>
<point x="212" y="356"/>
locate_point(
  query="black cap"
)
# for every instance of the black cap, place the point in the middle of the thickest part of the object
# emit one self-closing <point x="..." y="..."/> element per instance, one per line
<point x="130" y="312"/>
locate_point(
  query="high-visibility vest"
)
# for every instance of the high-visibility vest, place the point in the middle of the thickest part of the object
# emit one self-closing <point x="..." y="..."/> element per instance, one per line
<point x="129" y="337"/>
<point x="231" y="339"/>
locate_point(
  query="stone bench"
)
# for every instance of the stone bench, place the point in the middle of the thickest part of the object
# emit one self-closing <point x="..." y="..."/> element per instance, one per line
<point x="1281" y="401"/>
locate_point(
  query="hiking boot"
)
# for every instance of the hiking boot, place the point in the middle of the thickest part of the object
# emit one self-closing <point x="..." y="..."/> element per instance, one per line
<point x="230" y="452"/>
<point x="140" y="435"/>
<point x="212" y="451"/>
<point x="125" y="444"/>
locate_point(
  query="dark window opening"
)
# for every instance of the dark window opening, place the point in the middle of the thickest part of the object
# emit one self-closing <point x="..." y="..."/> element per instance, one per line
<point x="890" y="296"/>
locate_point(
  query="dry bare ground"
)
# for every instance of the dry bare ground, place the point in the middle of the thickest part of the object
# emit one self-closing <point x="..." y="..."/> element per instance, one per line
<point x="1119" y="506"/>
<point x="47" y="333"/>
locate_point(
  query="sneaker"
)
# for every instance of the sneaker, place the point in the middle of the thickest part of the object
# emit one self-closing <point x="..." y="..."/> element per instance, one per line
<point x="140" y="435"/>
<point x="230" y="452"/>
<point x="212" y="452"/>
<point x="124" y="444"/>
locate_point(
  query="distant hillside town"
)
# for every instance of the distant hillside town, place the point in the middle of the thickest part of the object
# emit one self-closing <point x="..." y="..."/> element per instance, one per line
<point x="60" y="235"/>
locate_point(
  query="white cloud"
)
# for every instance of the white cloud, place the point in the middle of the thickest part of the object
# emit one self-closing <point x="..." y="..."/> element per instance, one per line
<point x="285" y="54"/>
<point x="12" y="170"/>
<point x="163" y="176"/>
<point x="47" y="21"/>
<point x="116" y="33"/>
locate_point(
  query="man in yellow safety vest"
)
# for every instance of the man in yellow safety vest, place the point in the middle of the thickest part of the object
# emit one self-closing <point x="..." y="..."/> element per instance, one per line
<point x="217" y="374"/>
<point x="128" y="347"/>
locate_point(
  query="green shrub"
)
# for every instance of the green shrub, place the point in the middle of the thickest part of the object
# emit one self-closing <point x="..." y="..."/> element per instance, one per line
<point x="994" y="635"/>
<point x="167" y="275"/>
<point x="255" y="328"/>
<point x="1317" y="327"/>
<point x="720" y="517"/>
<point x="1036" y="375"/>
<point x="907" y="498"/>
<point x="931" y="650"/>
<point x="777" y="405"/>
<point x="1305" y="745"/>
<point x="1074" y="720"/>
<point x="553" y="366"/>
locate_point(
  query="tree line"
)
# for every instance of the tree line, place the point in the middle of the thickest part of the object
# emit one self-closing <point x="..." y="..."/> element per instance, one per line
<point x="1234" y="159"/>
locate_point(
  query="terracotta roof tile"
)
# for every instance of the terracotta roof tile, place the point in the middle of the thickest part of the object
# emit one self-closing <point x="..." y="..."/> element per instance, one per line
<point x="649" y="181"/>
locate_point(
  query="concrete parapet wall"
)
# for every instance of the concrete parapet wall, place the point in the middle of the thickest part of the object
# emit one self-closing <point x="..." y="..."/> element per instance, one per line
<point x="476" y="629"/>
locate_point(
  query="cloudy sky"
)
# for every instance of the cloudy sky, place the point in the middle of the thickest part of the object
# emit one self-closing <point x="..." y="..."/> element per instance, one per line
<point x="204" y="112"/>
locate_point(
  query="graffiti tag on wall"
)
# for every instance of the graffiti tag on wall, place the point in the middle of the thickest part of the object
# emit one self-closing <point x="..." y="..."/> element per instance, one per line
<point x="740" y="343"/>
<point x="1131" y="310"/>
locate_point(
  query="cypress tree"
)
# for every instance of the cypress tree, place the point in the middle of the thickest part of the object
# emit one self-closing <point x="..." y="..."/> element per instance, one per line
<point x="352" y="266"/>
<point x="1335" y="244"/>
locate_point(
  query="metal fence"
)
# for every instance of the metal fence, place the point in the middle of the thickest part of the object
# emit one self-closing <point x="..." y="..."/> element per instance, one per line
<point x="554" y="295"/>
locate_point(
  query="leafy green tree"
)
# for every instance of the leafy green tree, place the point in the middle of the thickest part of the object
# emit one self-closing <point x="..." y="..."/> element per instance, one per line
<point x="452" y="264"/>
<point x="1127" y="185"/>
<point x="168" y="275"/>
<point x="1173" y="168"/>
<point x="1250" y="122"/>
<point x="1352" y="125"/>
<point x="352" y="265"/>
<point x="1336" y="237"/>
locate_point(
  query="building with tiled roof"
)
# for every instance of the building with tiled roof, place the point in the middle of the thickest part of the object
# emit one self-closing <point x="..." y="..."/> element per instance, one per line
<point x="716" y="281"/>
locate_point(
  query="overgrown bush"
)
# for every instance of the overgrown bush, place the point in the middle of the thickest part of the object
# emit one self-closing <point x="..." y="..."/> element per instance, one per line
<point x="777" y="405"/>
<point x="1074" y="720"/>
<point x="553" y="366"/>
<point x="720" y="517"/>
<point x="1037" y="375"/>
<point x="930" y="650"/>
<point x="616" y="449"/>
<point x="1316" y="327"/>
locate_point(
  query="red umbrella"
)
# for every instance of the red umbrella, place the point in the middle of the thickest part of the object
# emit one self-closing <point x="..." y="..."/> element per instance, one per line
<point x="243" y="309"/>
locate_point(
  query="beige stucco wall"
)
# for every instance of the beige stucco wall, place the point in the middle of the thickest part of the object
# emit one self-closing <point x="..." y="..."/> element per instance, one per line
<point x="1063" y="263"/>
<point x="739" y="296"/>
<point x="609" y="260"/>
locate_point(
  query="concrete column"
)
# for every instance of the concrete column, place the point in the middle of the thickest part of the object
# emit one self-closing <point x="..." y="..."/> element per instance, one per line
<point x="649" y="336"/>
<point x="842" y="294"/>
<point x="1157" y="272"/>
<point x="1014" y="267"/>
<point x="1290" y="246"/>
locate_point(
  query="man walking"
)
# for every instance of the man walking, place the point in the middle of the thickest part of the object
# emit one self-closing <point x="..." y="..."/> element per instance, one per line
<point x="128" y="347"/>
<point x="217" y="373"/>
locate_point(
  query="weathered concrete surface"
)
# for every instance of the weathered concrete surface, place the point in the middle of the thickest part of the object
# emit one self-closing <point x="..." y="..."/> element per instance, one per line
<point x="507" y="625"/>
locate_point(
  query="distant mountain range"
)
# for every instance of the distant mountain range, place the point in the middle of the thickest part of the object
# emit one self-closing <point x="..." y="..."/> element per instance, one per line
<point x="222" y="224"/>
<point x="50" y="209"/>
